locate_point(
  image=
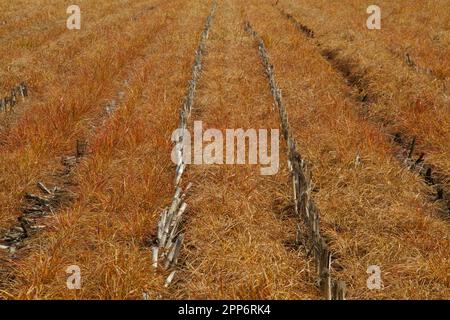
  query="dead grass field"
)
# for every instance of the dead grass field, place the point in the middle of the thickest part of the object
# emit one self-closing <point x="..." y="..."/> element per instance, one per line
<point x="119" y="84"/>
<point x="402" y="100"/>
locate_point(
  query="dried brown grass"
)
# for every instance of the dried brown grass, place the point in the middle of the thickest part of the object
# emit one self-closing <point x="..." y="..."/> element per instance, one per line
<point x="123" y="183"/>
<point x="42" y="28"/>
<point x="404" y="100"/>
<point x="67" y="96"/>
<point x="240" y="226"/>
<point x="376" y="213"/>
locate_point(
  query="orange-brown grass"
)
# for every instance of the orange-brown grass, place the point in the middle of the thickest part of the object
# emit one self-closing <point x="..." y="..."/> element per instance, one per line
<point x="124" y="183"/>
<point x="18" y="15"/>
<point x="419" y="28"/>
<point x="239" y="227"/>
<point x="25" y="49"/>
<point x="30" y="25"/>
<point x="375" y="212"/>
<point x="406" y="101"/>
<point x="48" y="128"/>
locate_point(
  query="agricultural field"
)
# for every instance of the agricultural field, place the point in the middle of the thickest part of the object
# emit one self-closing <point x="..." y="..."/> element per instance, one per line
<point x="227" y="149"/>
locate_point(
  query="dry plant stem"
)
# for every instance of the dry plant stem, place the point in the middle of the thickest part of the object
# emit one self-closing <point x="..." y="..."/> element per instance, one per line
<point x="373" y="209"/>
<point x="124" y="182"/>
